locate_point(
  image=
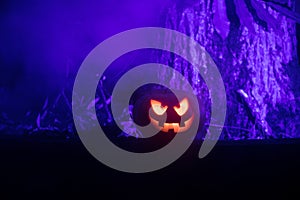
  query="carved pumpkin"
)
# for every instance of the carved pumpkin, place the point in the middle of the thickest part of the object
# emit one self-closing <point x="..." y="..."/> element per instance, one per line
<point x="159" y="107"/>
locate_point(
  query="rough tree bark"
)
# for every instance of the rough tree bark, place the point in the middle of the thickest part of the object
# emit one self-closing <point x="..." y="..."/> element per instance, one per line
<point x="254" y="45"/>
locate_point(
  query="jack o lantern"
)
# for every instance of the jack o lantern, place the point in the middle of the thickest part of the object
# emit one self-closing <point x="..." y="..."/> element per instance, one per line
<point x="179" y="117"/>
<point x="166" y="112"/>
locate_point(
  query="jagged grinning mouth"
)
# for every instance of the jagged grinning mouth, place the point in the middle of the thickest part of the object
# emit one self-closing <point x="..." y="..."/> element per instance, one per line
<point x="173" y="126"/>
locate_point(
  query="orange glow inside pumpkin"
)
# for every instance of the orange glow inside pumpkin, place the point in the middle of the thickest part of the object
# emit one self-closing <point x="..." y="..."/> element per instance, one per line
<point x="181" y="110"/>
<point x="183" y="107"/>
<point x="158" y="108"/>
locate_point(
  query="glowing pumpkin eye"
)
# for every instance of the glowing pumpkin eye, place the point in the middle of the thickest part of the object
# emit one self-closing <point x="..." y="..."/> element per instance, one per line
<point x="158" y="108"/>
<point x="183" y="107"/>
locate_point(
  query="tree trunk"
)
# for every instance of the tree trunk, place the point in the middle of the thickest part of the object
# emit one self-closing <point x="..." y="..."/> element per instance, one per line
<point x="254" y="47"/>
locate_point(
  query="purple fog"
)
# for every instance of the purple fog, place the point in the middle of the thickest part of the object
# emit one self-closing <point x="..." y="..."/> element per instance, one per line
<point x="254" y="44"/>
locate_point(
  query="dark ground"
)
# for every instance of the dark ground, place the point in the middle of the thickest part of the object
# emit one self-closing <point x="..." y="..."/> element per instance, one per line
<point x="58" y="169"/>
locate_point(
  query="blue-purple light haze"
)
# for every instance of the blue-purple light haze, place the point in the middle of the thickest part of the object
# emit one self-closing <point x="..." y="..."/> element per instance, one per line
<point x="254" y="44"/>
<point x="44" y="42"/>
